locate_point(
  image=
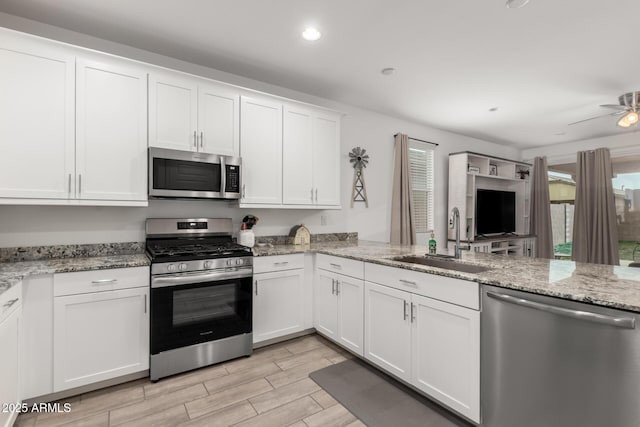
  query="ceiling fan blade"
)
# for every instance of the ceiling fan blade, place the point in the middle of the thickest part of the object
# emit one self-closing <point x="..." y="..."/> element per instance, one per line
<point x="593" y="118"/>
<point x="615" y="106"/>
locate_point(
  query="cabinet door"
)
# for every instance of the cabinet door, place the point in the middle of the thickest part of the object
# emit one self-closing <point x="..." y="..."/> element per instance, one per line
<point x="37" y="113"/>
<point x="111" y="131"/>
<point x="297" y="156"/>
<point x="446" y="354"/>
<point x="261" y="150"/>
<point x="277" y="304"/>
<point x="99" y="336"/>
<point x="387" y="326"/>
<point x="351" y="313"/>
<point x="326" y="304"/>
<point x="173" y="117"/>
<point x="326" y="159"/>
<point x="9" y="381"/>
<point x="218" y="120"/>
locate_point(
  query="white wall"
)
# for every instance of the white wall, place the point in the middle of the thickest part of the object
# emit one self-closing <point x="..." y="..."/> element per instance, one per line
<point x="619" y="145"/>
<point x="32" y="225"/>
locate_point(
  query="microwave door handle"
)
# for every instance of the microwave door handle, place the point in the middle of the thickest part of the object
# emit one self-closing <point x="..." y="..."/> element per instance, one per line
<point x="223" y="177"/>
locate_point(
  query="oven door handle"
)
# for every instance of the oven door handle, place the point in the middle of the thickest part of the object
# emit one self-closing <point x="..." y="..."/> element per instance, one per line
<point x="198" y="277"/>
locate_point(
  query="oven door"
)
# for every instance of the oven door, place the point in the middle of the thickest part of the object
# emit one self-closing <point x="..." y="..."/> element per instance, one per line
<point x="174" y="173"/>
<point x="190" y="308"/>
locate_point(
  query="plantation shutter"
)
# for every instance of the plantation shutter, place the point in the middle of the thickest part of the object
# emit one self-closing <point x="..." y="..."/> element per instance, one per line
<point x="421" y="166"/>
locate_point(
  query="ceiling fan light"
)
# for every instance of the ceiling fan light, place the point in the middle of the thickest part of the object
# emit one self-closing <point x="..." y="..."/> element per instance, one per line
<point x="631" y="118"/>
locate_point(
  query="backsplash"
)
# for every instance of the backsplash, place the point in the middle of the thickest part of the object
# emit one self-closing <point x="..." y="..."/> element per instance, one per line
<point x="315" y="238"/>
<point x="33" y="253"/>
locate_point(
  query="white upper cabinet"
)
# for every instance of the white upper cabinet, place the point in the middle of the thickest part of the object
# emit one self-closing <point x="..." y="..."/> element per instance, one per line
<point x="297" y="156"/>
<point x="37" y="114"/>
<point x="261" y="150"/>
<point x="111" y="131"/>
<point x="218" y="120"/>
<point x="173" y="107"/>
<point x="191" y="114"/>
<point x="326" y="159"/>
<point x="310" y="154"/>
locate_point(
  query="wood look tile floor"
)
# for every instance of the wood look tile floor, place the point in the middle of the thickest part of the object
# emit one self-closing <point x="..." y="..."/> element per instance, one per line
<point x="270" y="388"/>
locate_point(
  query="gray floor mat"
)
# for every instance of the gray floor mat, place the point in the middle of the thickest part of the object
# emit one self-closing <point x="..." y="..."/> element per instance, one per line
<point x="380" y="401"/>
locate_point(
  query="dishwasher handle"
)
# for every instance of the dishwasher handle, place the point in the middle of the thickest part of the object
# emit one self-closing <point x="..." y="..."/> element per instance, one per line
<point x="619" y="322"/>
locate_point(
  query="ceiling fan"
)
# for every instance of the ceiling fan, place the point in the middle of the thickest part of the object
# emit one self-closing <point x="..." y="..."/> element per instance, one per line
<point x="628" y="107"/>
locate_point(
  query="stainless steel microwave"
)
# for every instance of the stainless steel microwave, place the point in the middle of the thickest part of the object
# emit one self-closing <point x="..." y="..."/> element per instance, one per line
<point x="186" y="174"/>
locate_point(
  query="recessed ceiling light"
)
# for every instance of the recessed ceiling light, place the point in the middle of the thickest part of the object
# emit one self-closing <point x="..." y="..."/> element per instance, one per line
<point x="388" y="71"/>
<point x="311" y="34"/>
<point x="516" y="4"/>
<point x="493" y="109"/>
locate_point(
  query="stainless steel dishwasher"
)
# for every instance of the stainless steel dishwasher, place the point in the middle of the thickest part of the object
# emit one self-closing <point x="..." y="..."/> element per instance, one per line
<point x="549" y="362"/>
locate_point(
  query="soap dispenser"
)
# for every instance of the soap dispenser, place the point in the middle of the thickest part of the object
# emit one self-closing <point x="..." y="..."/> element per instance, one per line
<point x="432" y="244"/>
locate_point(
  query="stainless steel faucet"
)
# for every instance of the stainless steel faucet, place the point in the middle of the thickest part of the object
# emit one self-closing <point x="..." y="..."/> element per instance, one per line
<point x="454" y="222"/>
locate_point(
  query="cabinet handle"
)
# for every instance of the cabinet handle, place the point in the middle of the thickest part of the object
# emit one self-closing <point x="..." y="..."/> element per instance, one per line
<point x="404" y="306"/>
<point x="69" y="185"/>
<point x="145" y="303"/>
<point x="336" y="266"/>
<point x="337" y="287"/>
<point x="333" y="286"/>
<point x="277" y="264"/>
<point x="413" y="316"/>
<point x="316" y="195"/>
<point x="11" y="302"/>
<point x="256" y="284"/>
<point x="104" y="281"/>
<point x="408" y="282"/>
<point x="243" y="191"/>
<point x="79" y="183"/>
<point x="201" y="139"/>
<point x="311" y="194"/>
<point x="195" y="139"/>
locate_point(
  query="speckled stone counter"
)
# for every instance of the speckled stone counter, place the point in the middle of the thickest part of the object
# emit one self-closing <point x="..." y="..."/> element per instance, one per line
<point x="12" y="272"/>
<point x="610" y="286"/>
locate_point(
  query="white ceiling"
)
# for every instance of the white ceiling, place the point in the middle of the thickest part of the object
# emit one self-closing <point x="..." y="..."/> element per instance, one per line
<point x="545" y="65"/>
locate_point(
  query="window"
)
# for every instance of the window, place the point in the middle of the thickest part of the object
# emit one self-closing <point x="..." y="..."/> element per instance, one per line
<point x="421" y="167"/>
<point x="626" y="190"/>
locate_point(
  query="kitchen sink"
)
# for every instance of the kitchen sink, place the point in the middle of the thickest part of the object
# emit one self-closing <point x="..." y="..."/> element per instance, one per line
<point x="441" y="262"/>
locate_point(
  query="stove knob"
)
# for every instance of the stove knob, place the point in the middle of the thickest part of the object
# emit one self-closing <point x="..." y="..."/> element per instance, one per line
<point x="230" y="262"/>
<point x="171" y="267"/>
<point x="182" y="267"/>
<point x="207" y="264"/>
<point x="239" y="261"/>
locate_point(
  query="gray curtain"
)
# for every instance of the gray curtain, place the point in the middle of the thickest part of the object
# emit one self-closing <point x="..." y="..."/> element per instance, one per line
<point x="540" y="209"/>
<point x="403" y="230"/>
<point x="595" y="234"/>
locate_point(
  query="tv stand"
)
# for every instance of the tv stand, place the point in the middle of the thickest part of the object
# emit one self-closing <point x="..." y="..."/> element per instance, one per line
<point x="504" y="245"/>
<point x="469" y="172"/>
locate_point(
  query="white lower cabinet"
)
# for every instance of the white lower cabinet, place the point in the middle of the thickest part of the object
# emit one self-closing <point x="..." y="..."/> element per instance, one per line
<point x="446" y="353"/>
<point x="278" y="304"/>
<point x="10" y="313"/>
<point x="339" y="309"/>
<point x="387" y="328"/>
<point x="431" y="344"/>
<point x="101" y="334"/>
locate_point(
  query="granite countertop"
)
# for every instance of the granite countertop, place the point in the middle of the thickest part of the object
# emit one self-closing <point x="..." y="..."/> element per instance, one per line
<point x="605" y="285"/>
<point x="12" y="273"/>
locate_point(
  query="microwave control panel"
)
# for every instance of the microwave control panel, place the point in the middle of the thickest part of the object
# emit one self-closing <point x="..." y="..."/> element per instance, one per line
<point x="232" y="175"/>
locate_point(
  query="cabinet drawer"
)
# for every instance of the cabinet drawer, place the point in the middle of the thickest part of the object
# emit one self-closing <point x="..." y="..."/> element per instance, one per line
<point x="348" y="267"/>
<point x="83" y="282"/>
<point x="278" y="263"/>
<point x="10" y="300"/>
<point x="455" y="291"/>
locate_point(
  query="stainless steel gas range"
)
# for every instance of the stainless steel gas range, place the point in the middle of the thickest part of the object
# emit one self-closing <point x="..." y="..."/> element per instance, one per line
<point x="201" y="294"/>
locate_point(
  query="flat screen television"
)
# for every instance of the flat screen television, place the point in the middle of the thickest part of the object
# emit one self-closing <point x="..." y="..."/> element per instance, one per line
<point x="495" y="212"/>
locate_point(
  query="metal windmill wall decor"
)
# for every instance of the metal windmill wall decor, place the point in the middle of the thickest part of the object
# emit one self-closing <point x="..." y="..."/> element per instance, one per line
<point x="359" y="157"/>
